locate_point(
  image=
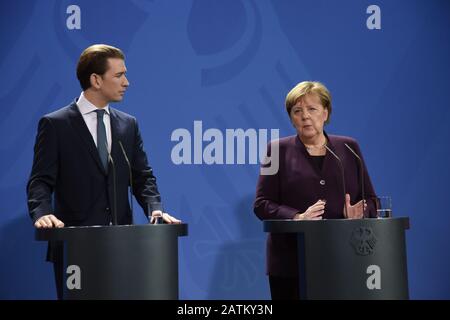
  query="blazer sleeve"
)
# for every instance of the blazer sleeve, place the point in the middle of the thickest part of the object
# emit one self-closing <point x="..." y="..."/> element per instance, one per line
<point x="145" y="188"/>
<point x="369" y="191"/>
<point x="44" y="171"/>
<point x="267" y="202"/>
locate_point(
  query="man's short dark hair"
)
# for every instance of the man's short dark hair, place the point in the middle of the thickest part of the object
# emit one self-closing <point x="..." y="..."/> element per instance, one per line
<point x="95" y="60"/>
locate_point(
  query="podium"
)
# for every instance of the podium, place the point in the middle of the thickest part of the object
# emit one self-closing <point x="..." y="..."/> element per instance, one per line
<point x="349" y="259"/>
<point x="119" y="262"/>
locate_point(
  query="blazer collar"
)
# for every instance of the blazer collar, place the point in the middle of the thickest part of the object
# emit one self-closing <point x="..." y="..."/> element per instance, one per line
<point x="329" y="158"/>
<point x="85" y="106"/>
<point x="77" y="121"/>
<point x="330" y="142"/>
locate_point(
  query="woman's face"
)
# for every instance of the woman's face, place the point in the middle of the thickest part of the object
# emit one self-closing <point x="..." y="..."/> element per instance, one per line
<point x="308" y="116"/>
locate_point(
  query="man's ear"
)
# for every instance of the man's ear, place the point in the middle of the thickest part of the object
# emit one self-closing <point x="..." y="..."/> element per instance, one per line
<point x="96" y="80"/>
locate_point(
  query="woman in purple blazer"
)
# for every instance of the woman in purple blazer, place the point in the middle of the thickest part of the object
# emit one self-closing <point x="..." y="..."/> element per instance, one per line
<point x="308" y="184"/>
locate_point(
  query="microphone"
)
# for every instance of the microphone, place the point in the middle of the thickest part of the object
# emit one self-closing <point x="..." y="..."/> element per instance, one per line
<point x="361" y="174"/>
<point x="131" y="178"/>
<point x="113" y="165"/>
<point x="343" y="177"/>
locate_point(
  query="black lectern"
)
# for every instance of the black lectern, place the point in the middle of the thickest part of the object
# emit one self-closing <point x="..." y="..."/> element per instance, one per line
<point x="349" y="259"/>
<point x="119" y="262"/>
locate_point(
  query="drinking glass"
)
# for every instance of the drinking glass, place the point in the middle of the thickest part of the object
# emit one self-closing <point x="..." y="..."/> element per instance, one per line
<point x="384" y="207"/>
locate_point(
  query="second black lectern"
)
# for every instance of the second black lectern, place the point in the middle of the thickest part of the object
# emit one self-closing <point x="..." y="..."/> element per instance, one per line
<point x="349" y="259"/>
<point x="119" y="262"/>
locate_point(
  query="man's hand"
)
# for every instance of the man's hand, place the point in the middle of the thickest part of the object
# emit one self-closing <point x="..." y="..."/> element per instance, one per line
<point x="48" y="221"/>
<point x="166" y="217"/>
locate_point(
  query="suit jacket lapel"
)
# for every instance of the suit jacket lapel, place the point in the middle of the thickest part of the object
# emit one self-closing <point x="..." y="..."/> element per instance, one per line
<point x="329" y="162"/>
<point x="82" y="131"/>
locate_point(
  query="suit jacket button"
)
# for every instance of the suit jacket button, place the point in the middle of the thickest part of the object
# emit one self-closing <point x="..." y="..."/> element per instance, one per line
<point x="107" y="209"/>
<point x="322" y="182"/>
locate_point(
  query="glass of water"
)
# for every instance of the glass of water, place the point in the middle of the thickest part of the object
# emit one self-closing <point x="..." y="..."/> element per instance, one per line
<point x="384" y="207"/>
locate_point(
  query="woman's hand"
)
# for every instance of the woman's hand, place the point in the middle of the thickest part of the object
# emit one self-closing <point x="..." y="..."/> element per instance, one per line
<point x="356" y="211"/>
<point x="314" y="212"/>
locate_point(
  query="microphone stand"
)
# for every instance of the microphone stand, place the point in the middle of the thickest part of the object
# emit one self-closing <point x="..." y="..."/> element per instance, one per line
<point x="114" y="215"/>
<point x="361" y="174"/>
<point x="131" y="178"/>
<point x="343" y="178"/>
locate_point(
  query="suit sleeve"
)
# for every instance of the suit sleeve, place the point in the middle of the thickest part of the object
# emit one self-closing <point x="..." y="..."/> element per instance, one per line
<point x="144" y="182"/>
<point x="368" y="187"/>
<point x="267" y="202"/>
<point x="44" y="171"/>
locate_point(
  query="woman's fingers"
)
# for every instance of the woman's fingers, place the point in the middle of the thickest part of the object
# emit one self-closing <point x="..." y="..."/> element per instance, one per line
<point x="315" y="209"/>
<point x="317" y="215"/>
<point x="314" y="213"/>
<point x="317" y="206"/>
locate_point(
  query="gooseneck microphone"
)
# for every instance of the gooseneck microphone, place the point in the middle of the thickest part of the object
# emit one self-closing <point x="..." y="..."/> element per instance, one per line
<point x="343" y="177"/>
<point x="361" y="174"/>
<point x="131" y="177"/>
<point x="114" y="209"/>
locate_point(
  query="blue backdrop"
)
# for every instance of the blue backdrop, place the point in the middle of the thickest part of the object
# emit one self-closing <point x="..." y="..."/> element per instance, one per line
<point x="229" y="64"/>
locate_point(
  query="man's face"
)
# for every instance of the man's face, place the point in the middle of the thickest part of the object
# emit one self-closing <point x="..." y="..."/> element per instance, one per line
<point x="114" y="83"/>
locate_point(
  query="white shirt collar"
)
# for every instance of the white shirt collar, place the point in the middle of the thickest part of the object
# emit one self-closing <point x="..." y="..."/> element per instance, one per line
<point x="85" y="106"/>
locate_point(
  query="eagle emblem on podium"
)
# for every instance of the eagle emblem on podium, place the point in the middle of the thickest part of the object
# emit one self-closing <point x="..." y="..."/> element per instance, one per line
<point x="363" y="240"/>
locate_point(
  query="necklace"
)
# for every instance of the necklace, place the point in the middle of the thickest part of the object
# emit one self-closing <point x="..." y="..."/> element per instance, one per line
<point x="316" y="147"/>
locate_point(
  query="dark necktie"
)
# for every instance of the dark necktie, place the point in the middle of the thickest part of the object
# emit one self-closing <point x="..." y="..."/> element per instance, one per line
<point x="101" y="139"/>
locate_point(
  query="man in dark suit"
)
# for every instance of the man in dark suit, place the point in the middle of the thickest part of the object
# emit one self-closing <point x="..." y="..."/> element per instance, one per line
<point x="72" y="181"/>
